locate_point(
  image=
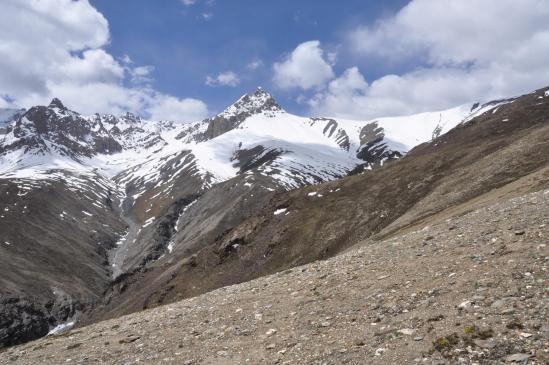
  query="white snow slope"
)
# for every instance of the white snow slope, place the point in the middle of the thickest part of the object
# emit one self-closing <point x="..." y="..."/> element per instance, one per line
<point x="305" y="145"/>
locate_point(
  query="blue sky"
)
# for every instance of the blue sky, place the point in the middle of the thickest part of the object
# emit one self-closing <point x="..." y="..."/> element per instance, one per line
<point x="185" y="60"/>
<point x="185" y="44"/>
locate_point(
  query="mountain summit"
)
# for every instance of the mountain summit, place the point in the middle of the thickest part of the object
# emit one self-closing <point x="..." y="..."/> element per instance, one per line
<point x="56" y="103"/>
<point x="258" y="102"/>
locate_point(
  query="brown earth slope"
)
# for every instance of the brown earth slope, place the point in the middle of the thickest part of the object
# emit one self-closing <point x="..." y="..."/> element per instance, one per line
<point x="469" y="289"/>
<point x="55" y="236"/>
<point x="502" y="153"/>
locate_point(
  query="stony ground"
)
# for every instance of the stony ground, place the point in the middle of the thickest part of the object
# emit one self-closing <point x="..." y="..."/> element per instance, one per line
<point x="471" y="289"/>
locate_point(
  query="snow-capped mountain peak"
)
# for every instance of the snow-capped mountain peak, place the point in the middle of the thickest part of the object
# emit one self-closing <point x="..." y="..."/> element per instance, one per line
<point x="257" y="102"/>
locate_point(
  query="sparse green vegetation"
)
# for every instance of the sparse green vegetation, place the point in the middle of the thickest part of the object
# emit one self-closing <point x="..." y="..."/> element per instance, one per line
<point x="445" y="343"/>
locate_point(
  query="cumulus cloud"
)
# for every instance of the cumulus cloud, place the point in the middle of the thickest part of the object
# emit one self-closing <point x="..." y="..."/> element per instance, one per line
<point x="227" y="78"/>
<point x="305" y="68"/>
<point x="456" y="31"/>
<point x="54" y="48"/>
<point x="340" y="97"/>
<point x="350" y="96"/>
<point x="171" y="108"/>
<point x="188" y="2"/>
<point x="94" y="65"/>
<point x="463" y="51"/>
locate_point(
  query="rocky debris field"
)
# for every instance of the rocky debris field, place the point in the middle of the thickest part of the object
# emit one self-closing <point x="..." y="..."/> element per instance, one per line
<point x="471" y="289"/>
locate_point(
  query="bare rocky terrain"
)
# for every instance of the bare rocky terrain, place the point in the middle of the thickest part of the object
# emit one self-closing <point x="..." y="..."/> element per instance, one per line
<point x="468" y="289"/>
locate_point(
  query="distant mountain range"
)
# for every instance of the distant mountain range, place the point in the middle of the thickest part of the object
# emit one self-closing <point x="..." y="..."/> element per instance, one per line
<point x="97" y="206"/>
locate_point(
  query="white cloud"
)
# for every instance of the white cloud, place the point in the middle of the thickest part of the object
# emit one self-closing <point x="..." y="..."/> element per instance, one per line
<point x="305" y="68"/>
<point x="172" y="108"/>
<point x="39" y="36"/>
<point x="126" y="59"/>
<point x="350" y="96"/>
<point x="455" y="31"/>
<point x="464" y="50"/>
<point x="254" y="65"/>
<point x="95" y="65"/>
<point x="54" y="48"/>
<point x="227" y="78"/>
<point x="207" y="16"/>
<point x="141" y="74"/>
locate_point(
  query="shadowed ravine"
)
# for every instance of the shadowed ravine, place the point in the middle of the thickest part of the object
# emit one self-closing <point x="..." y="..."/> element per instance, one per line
<point x="119" y="253"/>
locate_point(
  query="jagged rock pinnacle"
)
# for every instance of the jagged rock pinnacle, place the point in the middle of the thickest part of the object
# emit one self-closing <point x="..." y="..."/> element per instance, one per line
<point x="56" y="103"/>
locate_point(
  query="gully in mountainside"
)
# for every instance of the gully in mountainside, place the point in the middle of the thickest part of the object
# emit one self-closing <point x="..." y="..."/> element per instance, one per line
<point x="119" y="253"/>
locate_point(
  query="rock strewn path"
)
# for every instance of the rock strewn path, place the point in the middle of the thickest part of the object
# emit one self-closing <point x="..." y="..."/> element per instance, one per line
<point x="472" y="289"/>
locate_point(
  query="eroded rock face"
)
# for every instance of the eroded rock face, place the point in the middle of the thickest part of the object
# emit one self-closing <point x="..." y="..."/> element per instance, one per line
<point x="27" y="318"/>
<point x="341" y="136"/>
<point x="373" y="148"/>
<point x="22" y="320"/>
<point x="248" y="159"/>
